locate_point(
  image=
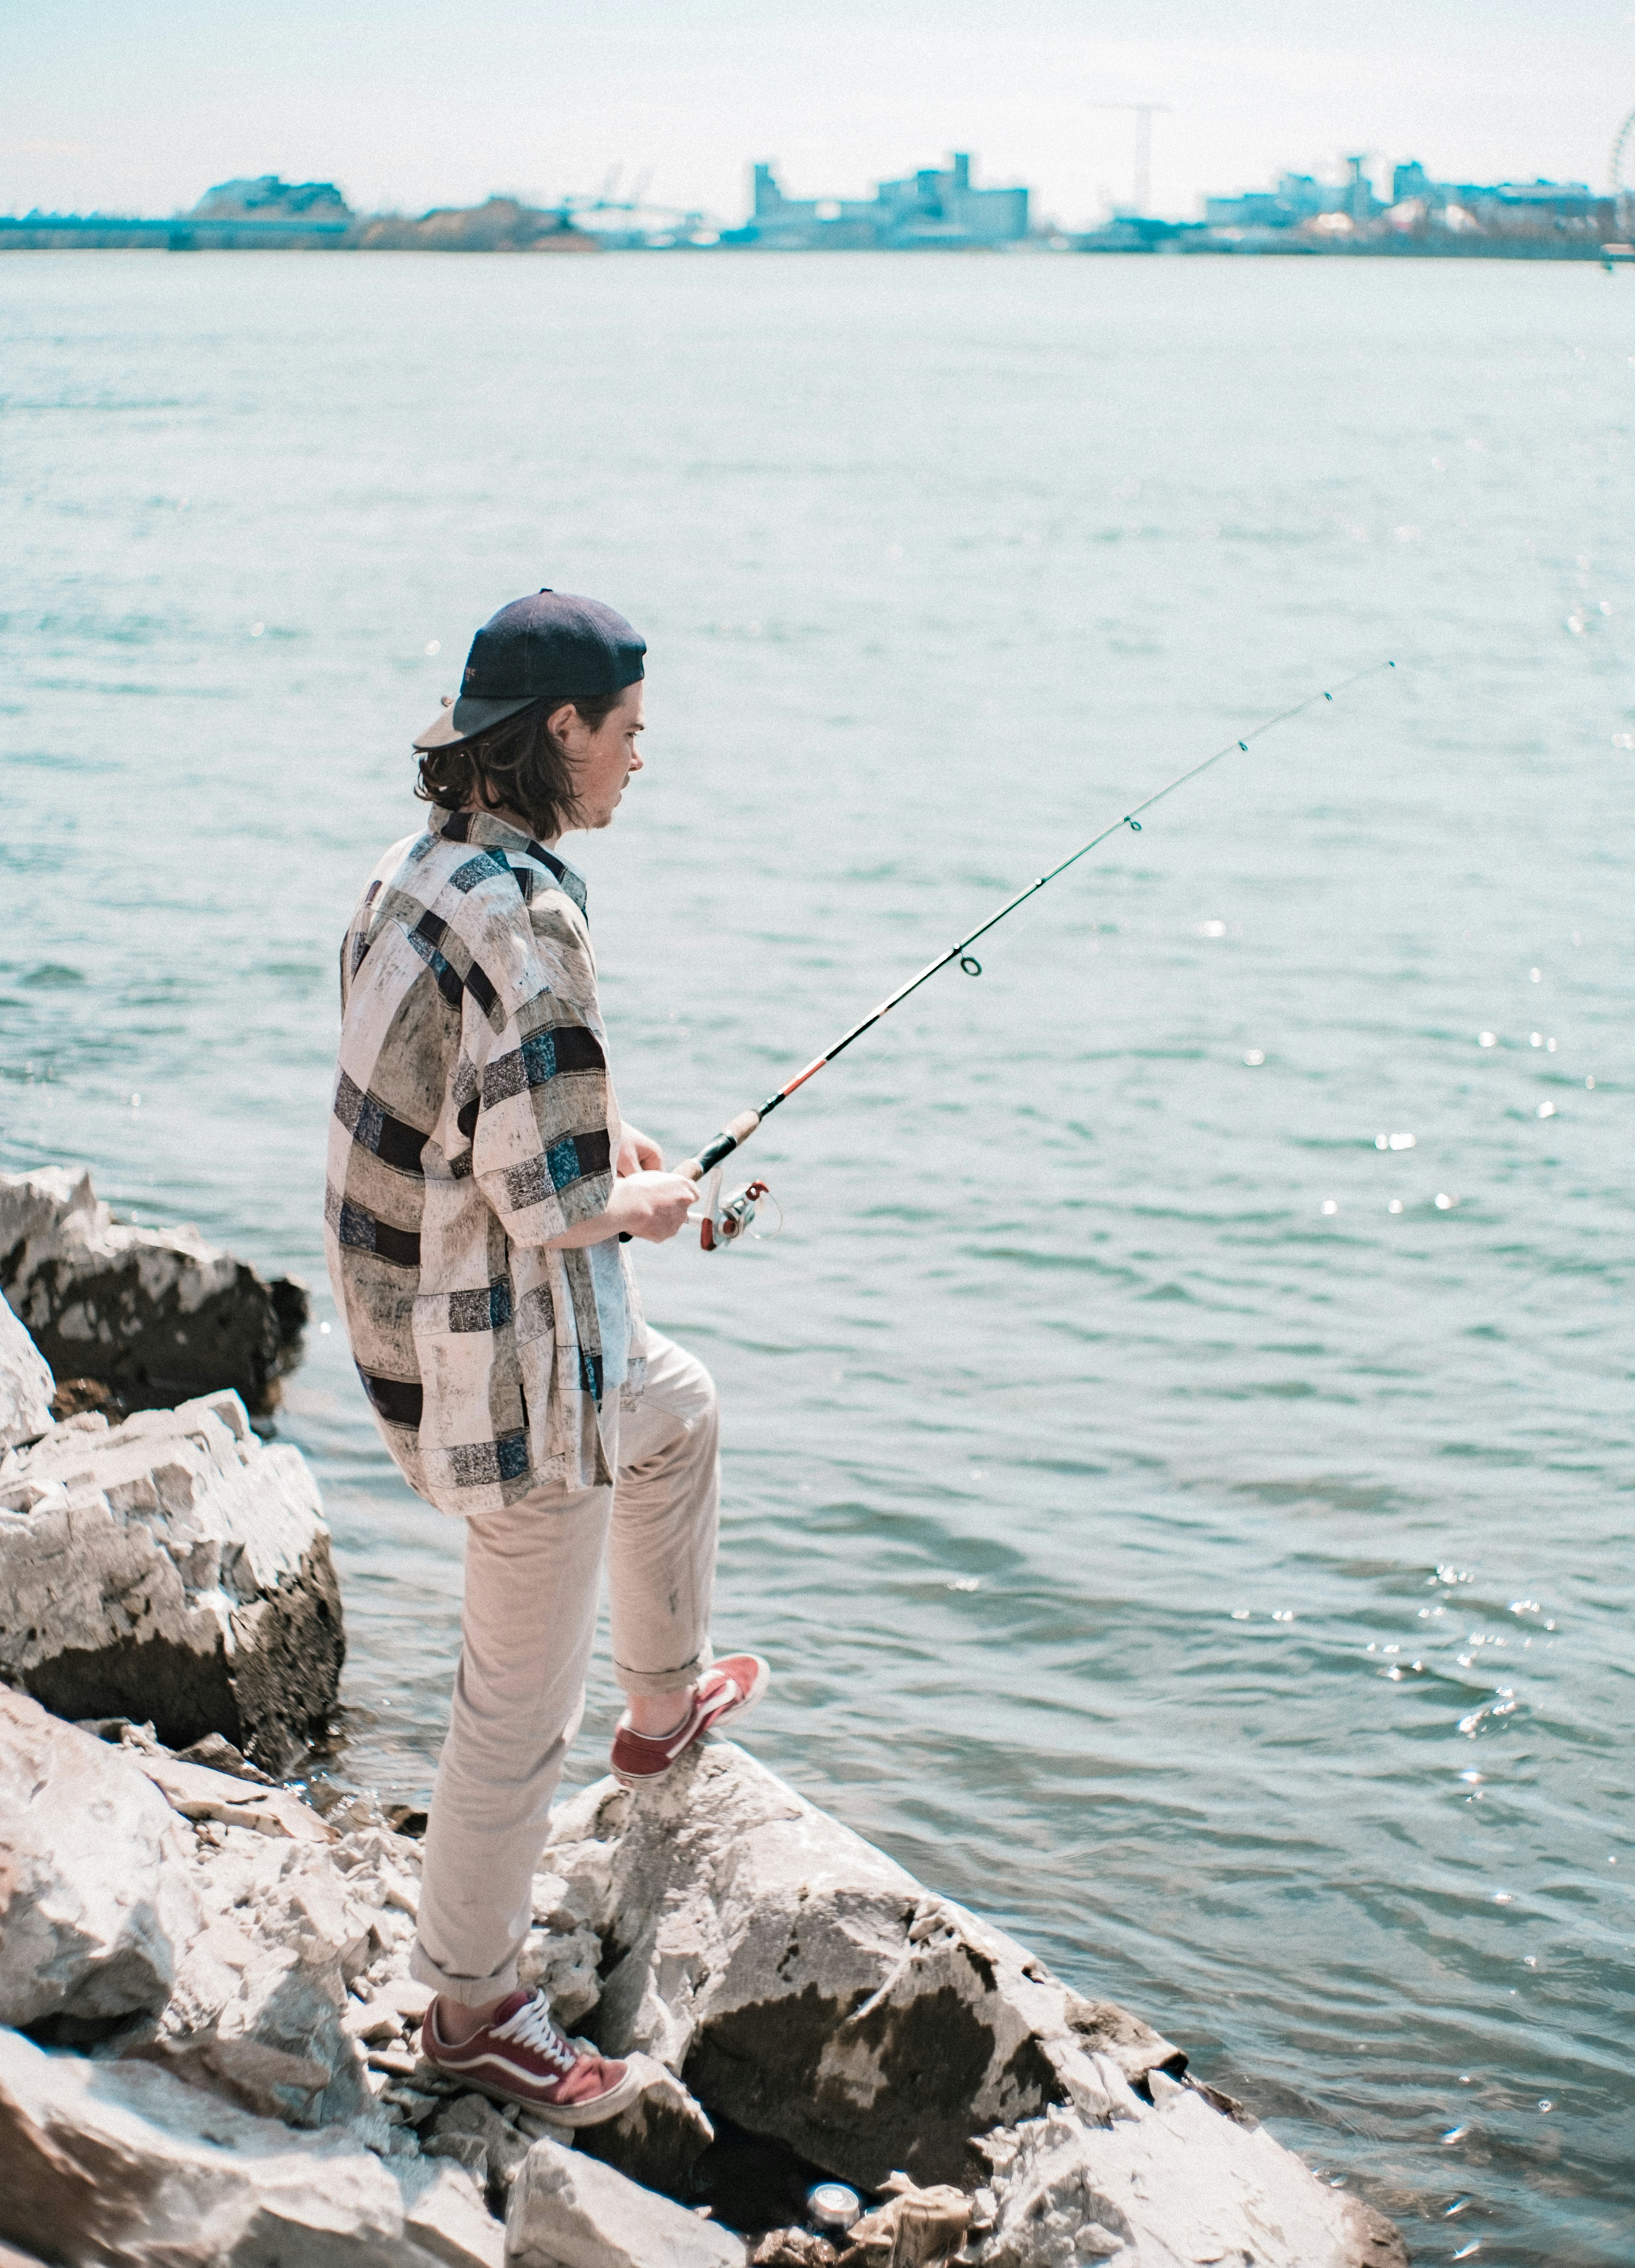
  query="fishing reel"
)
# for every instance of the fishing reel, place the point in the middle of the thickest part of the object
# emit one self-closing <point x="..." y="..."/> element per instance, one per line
<point x="722" y="1221"/>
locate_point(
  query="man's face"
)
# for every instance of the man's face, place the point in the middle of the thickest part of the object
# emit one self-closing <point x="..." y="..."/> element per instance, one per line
<point x="602" y="761"/>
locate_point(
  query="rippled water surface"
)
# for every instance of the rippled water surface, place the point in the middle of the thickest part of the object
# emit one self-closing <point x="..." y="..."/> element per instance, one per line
<point x="1184" y="1528"/>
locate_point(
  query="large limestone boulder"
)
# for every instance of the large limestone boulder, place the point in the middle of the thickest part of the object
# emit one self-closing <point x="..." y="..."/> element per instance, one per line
<point x="570" y="2211"/>
<point x="25" y="1384"/>
<point x="811" y="1991"/>
<point x="96" y="1897"/>
<point x="160" y="1316"/>
<point x="116" y="2163"/>
<point x="170" y="1570"/>
<point x="809" y="1988"/>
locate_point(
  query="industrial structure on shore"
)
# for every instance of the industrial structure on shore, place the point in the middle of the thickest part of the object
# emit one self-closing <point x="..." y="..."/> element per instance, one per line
<point x="934" y="210"/>
<point x="1302" y="214"/>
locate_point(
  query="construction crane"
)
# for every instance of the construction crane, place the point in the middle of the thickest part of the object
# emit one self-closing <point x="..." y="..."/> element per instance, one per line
<point x="1144" y="145"/>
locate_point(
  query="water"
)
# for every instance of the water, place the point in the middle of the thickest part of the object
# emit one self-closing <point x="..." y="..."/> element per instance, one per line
<point x="1166" y="1546"/>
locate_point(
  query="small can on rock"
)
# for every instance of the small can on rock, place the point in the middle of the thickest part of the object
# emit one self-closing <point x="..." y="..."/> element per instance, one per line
<point x="831" y="2208"/>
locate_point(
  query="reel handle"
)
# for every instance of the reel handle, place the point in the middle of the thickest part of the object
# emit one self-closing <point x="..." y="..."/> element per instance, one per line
<point x="694" y="1169"/>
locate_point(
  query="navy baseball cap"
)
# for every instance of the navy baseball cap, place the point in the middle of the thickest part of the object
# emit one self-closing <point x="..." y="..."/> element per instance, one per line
<point x="547" y="648"/>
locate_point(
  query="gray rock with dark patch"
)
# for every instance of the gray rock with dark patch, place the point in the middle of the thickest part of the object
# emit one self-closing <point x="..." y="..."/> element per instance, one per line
<point x="808" y="1988"/>
<point x="172" y="1569"/>
<point x="25" y="1384"/>
<point x="160" y="1315"/>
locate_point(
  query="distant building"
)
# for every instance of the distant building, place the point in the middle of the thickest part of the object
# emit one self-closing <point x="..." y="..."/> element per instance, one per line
<point x="267" y="198"/>
<point x="932" y="208"/>
<point x="1297" y="199"/>
<point x="1411" y="180"/>
<point x="1301" y="213"/>
<point x="1515" y="204"/>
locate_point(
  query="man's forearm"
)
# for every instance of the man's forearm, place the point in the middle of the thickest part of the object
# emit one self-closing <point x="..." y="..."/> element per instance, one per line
<point x="650" y="1205"/>
<point x="599" y="1231"/>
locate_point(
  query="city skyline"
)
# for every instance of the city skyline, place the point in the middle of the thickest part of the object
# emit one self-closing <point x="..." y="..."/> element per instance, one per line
<point x="416" y="105"/>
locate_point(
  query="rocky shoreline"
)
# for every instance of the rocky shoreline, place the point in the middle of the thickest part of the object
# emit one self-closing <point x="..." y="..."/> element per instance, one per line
<point x="208" y="2032"/>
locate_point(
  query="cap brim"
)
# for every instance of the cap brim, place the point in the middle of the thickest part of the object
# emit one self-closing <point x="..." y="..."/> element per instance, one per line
<point x="466" y="718"/>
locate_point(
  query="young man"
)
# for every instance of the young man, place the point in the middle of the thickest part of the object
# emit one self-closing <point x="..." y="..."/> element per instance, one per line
<point x="481" y="1181"/>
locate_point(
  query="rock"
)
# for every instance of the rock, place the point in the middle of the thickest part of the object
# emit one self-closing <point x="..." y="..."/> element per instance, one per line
<point x="444" y="2213"/>
<point x="535" y="2123"/>
<point x="1179" y="2183"/>
<point x="226" y="1962"/>
<point x="811" y="1989"/>
<point x="408" y="1997"/>
<point x="659" y="2139"/>
<point x="160" y="1316"/>
<point x="220" y="1756"/>
<point x="27" y="1385"/>
<point x="196" y="1792"/>
<point x="566" y="1965"/>
<point x="473" y="2120"/>
<point x="373" y="2024"/>
<point x="173" y="1569"/>
<point x="467" y="2150"/>
<point x="96" y="1903"/>
<point x="914" y="2228"/>
<point x="115" y="2162"/>
<point x="258" y="2008"/>
<point x="418" y="2109"/>
<point x="568" y="2211"/>
<point x="74" y="1396"/>
<point x="793" y="2248"/>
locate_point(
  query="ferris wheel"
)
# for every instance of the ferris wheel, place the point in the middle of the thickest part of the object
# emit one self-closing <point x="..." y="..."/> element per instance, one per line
<point x="1623" y="174"/>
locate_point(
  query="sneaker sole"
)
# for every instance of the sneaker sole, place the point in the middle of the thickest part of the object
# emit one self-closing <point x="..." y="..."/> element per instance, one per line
<point x="763" y="1678"/>
<point x="591" y="2113"/>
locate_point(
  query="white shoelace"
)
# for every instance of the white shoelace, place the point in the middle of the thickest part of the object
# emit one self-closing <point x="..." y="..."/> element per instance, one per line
<point x="531" y="2027"/>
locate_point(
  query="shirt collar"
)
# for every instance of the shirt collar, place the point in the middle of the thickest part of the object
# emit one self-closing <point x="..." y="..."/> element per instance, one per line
<point x="495" y="834"/>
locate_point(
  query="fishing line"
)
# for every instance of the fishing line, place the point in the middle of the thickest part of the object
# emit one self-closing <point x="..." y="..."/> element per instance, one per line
<point x="738" y="1131"/>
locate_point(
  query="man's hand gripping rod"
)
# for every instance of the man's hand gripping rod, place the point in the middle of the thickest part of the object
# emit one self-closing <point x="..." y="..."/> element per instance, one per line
<point x="728" y="1221"/>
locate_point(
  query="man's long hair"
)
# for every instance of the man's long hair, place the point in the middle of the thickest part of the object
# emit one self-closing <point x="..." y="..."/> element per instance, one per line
<point x="518" y="765"/>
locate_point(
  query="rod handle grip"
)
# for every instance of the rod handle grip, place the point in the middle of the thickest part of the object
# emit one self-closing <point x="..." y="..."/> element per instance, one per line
<point x="736" y="1130"/>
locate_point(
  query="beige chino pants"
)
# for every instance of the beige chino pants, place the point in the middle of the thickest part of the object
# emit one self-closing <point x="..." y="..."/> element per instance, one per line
<point x="533" y="1587"/>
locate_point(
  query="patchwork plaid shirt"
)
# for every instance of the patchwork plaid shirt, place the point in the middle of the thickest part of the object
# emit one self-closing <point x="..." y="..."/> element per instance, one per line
<point x="475" y="1117"/>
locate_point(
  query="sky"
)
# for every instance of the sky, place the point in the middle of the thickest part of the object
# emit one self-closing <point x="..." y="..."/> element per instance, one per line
<point x="138" y="106"/>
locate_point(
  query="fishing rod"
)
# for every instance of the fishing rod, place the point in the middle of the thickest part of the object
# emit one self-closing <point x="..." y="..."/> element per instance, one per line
<point x="723" y="1224"/>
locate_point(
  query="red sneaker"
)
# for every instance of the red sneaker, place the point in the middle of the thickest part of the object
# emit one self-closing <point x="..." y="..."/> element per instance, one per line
<point x="521" y="2057"/>
<point x="729" y="1689"/>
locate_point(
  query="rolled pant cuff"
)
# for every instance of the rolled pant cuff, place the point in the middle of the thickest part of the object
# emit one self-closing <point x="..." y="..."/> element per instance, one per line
<point x="470" y="1992"/>
<point x="648" y="1683"/>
